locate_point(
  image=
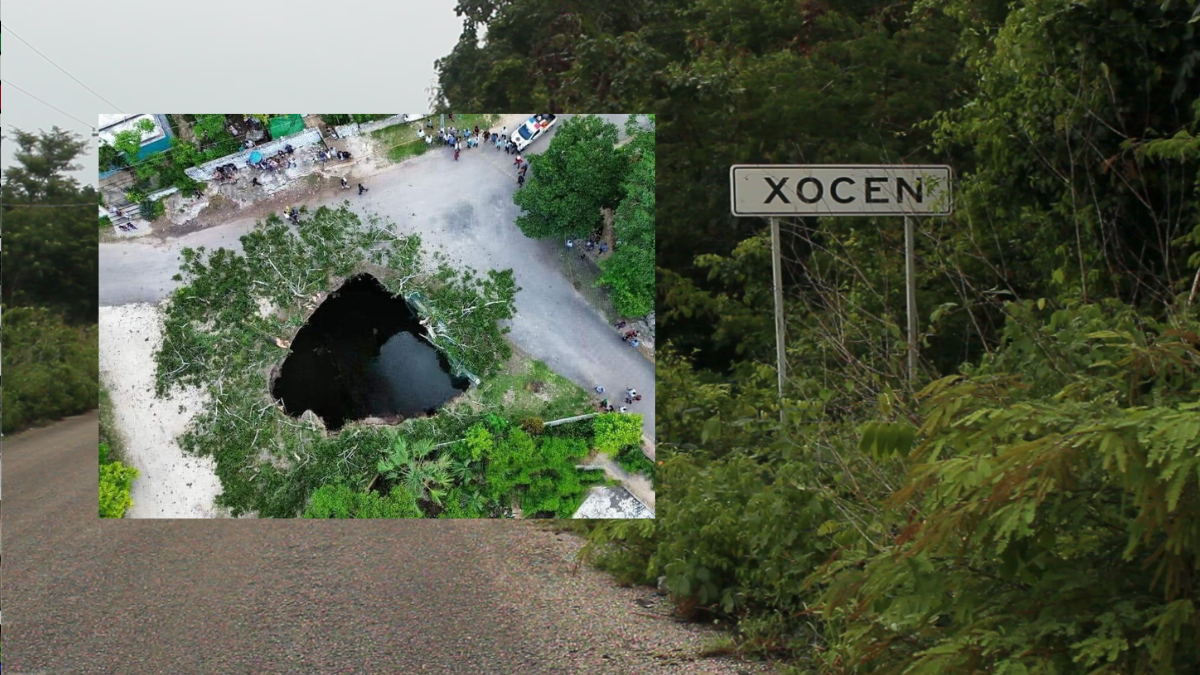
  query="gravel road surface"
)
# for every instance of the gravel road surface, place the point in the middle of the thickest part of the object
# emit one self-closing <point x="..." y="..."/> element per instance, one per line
<point x="87" y="596"/>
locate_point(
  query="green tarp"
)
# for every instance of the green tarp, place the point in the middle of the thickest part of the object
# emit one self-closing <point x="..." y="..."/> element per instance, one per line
<point x="286" y="125"/>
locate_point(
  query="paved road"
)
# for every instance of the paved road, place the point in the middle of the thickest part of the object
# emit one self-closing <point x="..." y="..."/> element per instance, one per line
<point x="86" y="596"/>
<point x="464" y="208"/>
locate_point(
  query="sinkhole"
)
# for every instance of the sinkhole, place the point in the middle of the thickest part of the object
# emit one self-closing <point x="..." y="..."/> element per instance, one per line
<point x="364" y="353"/>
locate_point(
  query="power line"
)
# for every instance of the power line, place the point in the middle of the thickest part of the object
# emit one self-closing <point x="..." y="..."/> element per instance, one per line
<point x="49" y="105"/>
<point x="51" y="61"/>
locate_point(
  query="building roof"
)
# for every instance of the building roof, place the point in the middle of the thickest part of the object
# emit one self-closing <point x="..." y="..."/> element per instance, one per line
<point x="107" y="133"/>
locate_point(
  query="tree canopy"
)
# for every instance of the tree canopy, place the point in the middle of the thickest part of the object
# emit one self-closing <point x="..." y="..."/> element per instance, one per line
<point x="578" y="174"/>
<point x="1028" y="505"/>
<point x="49" y="254"/>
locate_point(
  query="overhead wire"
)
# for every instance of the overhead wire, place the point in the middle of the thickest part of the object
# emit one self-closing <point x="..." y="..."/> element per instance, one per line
<point x="64" y="71"/>
<point x="49" y="105"/>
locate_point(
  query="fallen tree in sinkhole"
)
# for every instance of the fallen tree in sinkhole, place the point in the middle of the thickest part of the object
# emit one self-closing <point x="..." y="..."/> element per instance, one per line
<point x="224" y="328"/>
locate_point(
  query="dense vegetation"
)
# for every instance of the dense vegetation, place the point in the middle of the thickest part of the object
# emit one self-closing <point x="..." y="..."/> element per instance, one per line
<point x="464" y="462"/>
<point x="1031" y="504"/>
<point x="582" y="174"/>
<point x="52" y="367"/>
<point x="336" y="120"/>
<point x="496" y="467"/>
<point x="116" y="479"/>
<point x="49" y="283"/>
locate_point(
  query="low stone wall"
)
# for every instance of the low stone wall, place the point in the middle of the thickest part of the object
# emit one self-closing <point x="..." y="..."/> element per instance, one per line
<point x="356" y="129"/>
<point x="304" y="139"/>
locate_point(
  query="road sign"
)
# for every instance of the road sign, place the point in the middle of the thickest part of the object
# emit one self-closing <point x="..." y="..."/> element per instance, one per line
<point x="841" y="190"/>
<point x="833" y="190"/>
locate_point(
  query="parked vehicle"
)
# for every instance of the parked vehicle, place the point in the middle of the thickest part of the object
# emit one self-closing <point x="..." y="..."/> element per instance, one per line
<point x="532" y="129"/>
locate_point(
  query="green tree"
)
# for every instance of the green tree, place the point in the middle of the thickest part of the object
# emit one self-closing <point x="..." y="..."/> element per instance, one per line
<point x="43" y="160"/>
<point x="575" y="177"/>
<point x="410" y="465"/>
<point x="629" y="272"/>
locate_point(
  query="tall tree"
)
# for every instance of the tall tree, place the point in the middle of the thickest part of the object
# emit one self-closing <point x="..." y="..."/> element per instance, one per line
<point x="579" y="174"/>
<point x="629" y="273"/>
<point x="50" y="247"/>
<point x="43" y="160"/>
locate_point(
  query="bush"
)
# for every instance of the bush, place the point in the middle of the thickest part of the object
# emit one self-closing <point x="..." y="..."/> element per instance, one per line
<point x="479" y="442"/>
<point x="533" y="425"/>
<point x="540" y="473"/>
<point x="340" y="501"/>
<point x="151" y="210"/>
<point x="633" y="460"/>
<point x="115" y="482"/>
<point x="616" y="431"/>
<point x="338" y="120"/>
<point x="53" y="368"/>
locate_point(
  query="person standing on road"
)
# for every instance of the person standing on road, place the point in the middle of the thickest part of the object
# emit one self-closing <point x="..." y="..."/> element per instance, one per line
<point x="456" y="154"/>
<point x="520" y="181"/>
<point x="362" y="189"/>
<point x="570" y="244"/>
<point x="518" y="161"/>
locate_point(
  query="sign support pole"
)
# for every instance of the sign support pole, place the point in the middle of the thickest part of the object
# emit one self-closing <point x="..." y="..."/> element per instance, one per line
<point x="911" y="286"/>
<point x="842" y="190"/>
<point x="777" y="266"/>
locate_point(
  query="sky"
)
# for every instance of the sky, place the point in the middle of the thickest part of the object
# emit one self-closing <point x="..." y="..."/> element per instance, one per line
<point x="218" y="56"/>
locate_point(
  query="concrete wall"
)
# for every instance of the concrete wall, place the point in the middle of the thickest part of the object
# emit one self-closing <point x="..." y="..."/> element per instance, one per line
<point x="360" y="129"/>
<point x="304" y="139"/>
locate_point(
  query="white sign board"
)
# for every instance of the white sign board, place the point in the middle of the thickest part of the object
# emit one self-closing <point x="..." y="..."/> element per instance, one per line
<point x="832" y="190"/>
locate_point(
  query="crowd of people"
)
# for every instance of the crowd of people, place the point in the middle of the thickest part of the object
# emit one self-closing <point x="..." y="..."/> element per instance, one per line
<point x="466" y="138"/>
<point x="631" y="397"/>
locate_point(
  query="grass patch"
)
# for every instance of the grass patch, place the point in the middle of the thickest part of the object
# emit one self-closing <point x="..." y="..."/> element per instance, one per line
<point x="528" y="388"/>
<point x="105" y="224"/>
<point x="719" y="645"/>
<point x="400" y="141"/>
<point x="585" y="277"/>
<point x="109" y="436"/>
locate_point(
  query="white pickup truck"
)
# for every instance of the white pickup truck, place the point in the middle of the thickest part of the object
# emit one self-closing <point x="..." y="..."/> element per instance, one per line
<point x="532" y="129"/>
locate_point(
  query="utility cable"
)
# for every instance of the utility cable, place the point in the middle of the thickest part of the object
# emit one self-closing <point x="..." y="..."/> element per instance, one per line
<point x="49" y="105"/>
<point x="64" y="71"/>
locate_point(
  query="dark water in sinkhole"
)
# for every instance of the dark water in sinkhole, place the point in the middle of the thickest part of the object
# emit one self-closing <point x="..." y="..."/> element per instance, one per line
<point x="363" y="354"/>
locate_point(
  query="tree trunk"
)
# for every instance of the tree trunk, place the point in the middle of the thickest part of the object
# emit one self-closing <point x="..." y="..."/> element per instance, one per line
<point x="608" y="236"/>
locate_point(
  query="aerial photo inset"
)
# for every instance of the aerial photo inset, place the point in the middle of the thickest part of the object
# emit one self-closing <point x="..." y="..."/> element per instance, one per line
<point x="377" y="316"/>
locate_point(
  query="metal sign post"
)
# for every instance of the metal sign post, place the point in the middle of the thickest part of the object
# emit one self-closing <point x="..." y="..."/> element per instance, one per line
<point x="842" y="190"/>
<point x="910" y="283"/>
<point x="777" y="271"/>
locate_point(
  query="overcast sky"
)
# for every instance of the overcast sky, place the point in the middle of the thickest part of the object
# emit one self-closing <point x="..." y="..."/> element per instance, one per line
<point x="218" y="56"/>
